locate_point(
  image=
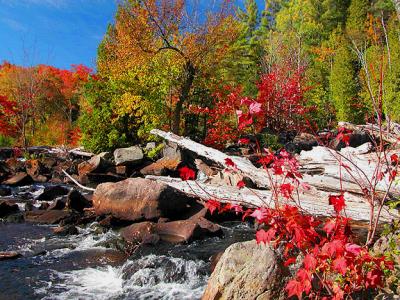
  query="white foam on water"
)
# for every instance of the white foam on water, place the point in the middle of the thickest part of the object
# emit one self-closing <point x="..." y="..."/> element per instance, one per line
<point x="150" y="277"/>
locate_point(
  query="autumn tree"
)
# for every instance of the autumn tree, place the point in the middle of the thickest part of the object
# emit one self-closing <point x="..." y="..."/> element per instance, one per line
<point x="147" y="29"/>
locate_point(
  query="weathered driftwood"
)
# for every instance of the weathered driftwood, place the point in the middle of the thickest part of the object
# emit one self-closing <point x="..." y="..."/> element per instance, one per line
<point x="312" y="202"/>
<point x="320" y="158"/>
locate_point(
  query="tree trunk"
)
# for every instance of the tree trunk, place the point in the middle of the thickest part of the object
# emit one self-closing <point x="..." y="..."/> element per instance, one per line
<point x="188" y="78"/>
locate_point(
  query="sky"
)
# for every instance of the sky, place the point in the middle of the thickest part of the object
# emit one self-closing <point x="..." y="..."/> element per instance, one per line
<point x="55" y="32"/>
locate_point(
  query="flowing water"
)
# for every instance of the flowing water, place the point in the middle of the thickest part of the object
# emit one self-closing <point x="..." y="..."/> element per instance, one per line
<point x="88" y="266"/>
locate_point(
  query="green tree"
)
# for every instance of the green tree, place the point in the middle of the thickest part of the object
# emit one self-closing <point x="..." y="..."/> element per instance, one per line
<point x="392" y="81"/>
<point x="345" y="85"/>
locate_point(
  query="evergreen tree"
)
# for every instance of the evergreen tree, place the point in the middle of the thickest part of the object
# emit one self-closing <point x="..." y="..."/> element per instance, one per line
<point x="345" y="85"/>
<point x="357" y="16"/>
<point x="391" y="100"/>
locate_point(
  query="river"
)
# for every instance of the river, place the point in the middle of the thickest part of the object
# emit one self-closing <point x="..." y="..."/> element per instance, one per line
<point x="89" y="266"/>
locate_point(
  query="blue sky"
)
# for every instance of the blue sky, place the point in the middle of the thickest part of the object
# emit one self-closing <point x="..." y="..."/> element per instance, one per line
<point x="55" y="32"/>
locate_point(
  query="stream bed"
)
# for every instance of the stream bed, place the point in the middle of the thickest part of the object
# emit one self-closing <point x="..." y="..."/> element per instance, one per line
<point x="89" y="266"/>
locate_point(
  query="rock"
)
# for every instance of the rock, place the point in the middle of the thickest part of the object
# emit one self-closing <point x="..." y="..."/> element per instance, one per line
<point x="121" y="170"/>
<point x="33" y="167"/>
<point x="128" y="156"/>
<point x="19" y="179"/>
<point x="7" y="208"/>
<point x="357" y="138"/>
<point x="303" y="141"/>
<point x="40" y="179"/>
<point x="138" y="233"/>
<point x="5" y="191"/>
<point x="65" y="230"/>
<point x="161" y="167"/>
<point x="46" y="216"/>
<point x="137" y="199"/>
<point x="57" y="204"/>
<point x="187" y="230"/>
<point x="204" y="168"/>
<point x="101" y="178"/>
<point x="247" y="271"/>
<point x="96" y="164"/>
<point x="43" y="206"/>
<point x="76" y="201"/>
<point x="6" y="152"/>
<point x="49" y="162"/>
<point x="172" y="151"/>
<point x="9" y="255"/>
<point x="15" y="218"/>
<point x="150" y="146"/>
<point x="15" y="165"/>
<point x="52" y="191"/>
<point x="214" y="259"/>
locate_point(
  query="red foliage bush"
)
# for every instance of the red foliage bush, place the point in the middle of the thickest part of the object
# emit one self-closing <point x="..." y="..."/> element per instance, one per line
<point x="280" y="105"/>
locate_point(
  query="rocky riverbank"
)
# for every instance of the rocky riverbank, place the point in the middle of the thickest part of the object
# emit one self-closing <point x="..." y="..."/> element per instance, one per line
<point x="123" y="204"/>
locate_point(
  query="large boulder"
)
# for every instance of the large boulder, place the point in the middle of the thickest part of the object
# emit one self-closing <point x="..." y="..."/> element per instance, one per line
<point x="128" y="156"/>
<point x="136" y="199"/>
<point x="248" y="271"/>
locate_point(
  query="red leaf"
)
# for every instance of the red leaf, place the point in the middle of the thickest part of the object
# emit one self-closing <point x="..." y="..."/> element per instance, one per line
<point x="244" y="141"/>
<point x="229" y="162"/>
<point x="259" y="214"/>
<point x="255" y="108"/>
<point x="186" y="173"/>
<point x="337" y="202"/>
<point x="290" y="261"/>
<point x="374" y="278"/>
<point x="212" y="205"/>
<point x="241" y="184"/>
<point x="329" y="226"/>
<point x="353" y="249"/>
<point x="310" y="263"/>
<point x="333" y="248"/>
<point x="263" y="236"/>
<point x="340" y="265"/>
<point x="394" y="158"/>
<point x="287" y="190"/>
<point x="294" y="288"/>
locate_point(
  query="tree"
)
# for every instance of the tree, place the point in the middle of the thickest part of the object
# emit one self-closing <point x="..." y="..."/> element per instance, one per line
<point x="146" y="29"/>
<point x="392" y="81"/>
<point x="345" y="85"/>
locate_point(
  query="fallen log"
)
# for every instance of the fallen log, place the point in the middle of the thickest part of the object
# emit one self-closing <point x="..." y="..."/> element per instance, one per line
<point x="311" y="202"/>
<point x="328" y="161"/>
